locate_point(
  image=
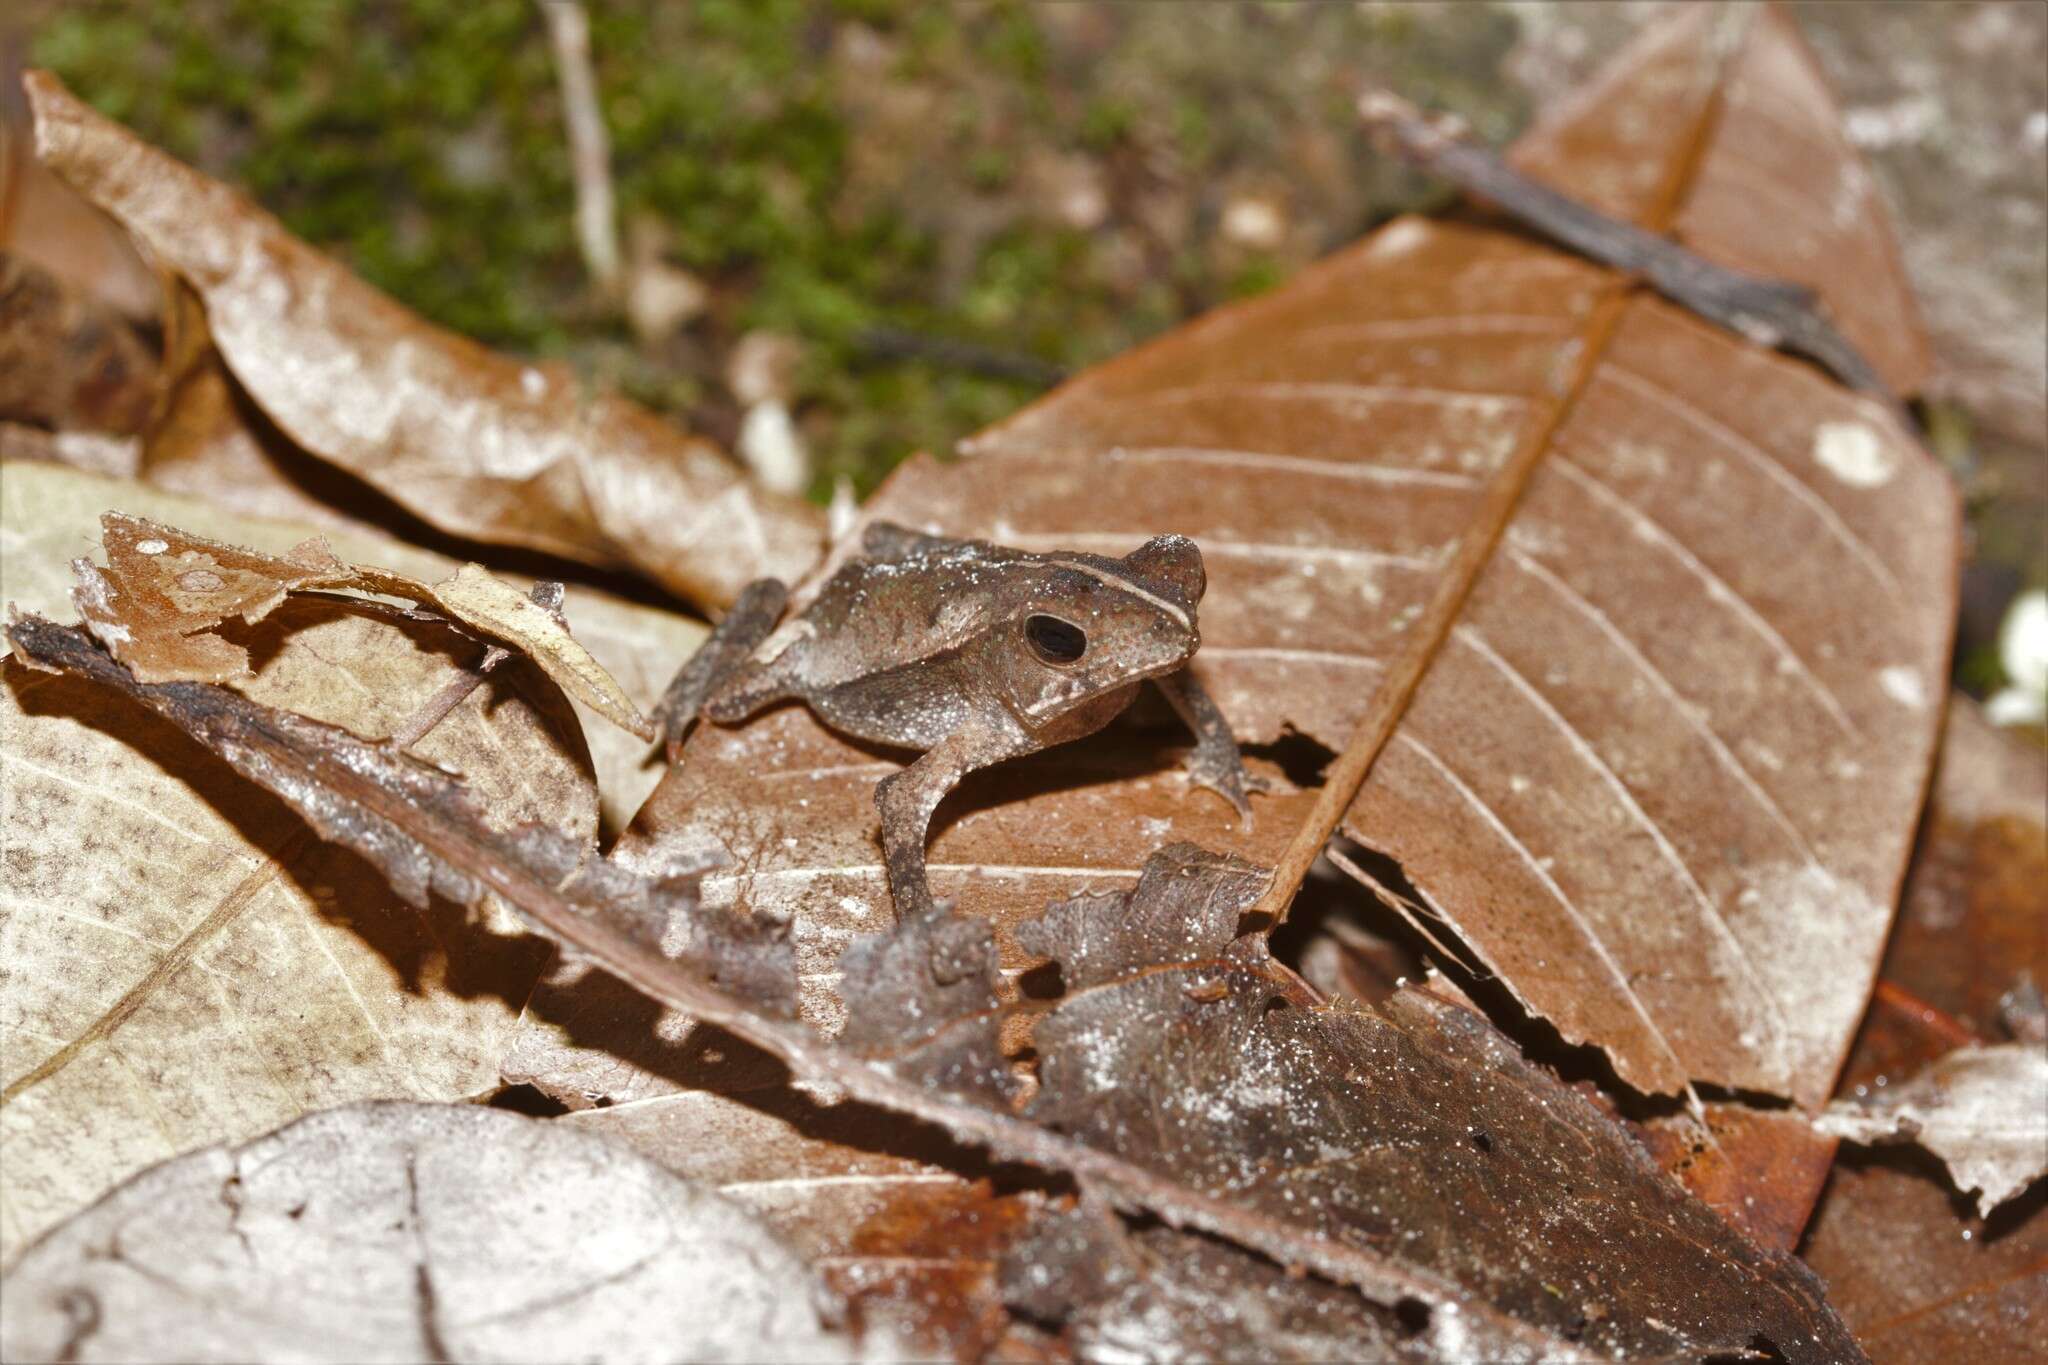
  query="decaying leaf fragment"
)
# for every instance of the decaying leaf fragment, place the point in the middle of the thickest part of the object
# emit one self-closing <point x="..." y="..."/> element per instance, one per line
<point x="156" y="603"/>
<point x="1415" y="1127"/>
<point x="417" y="1232"/>
<point x="477" y="444"/>
<point x="163" y="589"/>
<point x="1982" y="1109"/>
<point x="476" y="597"/>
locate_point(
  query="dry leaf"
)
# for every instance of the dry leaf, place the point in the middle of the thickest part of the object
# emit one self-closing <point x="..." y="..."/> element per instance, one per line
<point x="1661" y="770"/>
<point x="416" y="1232"/>
<point x="1415" y="1127"/>
<point x="163" y="591"/>
<point x="1780" y="161"/>
<point x="50" y="518"/>
<point x="1982" y="1110"/>
<point x="870" y="1201"/>
<point x="477" y="598"/>
<point x="478" y="444"/>
<point x="1760" y="1169"/>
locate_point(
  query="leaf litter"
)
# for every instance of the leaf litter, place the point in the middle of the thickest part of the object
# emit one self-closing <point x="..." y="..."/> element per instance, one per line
<point x="1250" y="1152"/>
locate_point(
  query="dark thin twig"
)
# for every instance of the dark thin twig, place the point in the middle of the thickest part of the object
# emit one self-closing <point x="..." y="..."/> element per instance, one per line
<point x="898" y="343"/>
<point x="1774" y="313"/>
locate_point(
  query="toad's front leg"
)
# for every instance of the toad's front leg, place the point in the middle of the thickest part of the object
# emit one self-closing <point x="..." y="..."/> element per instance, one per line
<point x="1215" y="763"/>
<point x="908" y="798"/>
<point x="722" y="656"/>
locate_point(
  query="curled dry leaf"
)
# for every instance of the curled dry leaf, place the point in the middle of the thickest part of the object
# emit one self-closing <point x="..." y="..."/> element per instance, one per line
<point x="163" y="591"/>
<point x="1675" y="610"/>
<point x="51" y="514"/>
<point x="416" y="1232"/>
<point x="185" y="966"/>
<point x="1982" y="1110"/>
<point x="162" y="587"/>
<point x="477" y="444"/>
<point x="478" y="598"/>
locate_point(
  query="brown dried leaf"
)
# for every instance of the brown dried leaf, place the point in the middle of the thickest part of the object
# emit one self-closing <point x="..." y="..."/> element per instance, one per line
<point x="1917" y="1279"/>
<point x="163" y="591"/>
<point x="185" y="966"/>
<point x="162" y="587"/>
<point x="1779" y="157"/>
<point x="476" y="597"/>
<point x="1662" y="764"/>
<point x="1415" y="1127"/>
<point x="478" y="444"/>
<point x="1760" y="1169"/>
<point x="417" y="1232"/>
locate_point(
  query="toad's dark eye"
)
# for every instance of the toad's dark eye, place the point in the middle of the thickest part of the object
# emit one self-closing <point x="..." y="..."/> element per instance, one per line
<point x="1053" y="640"/>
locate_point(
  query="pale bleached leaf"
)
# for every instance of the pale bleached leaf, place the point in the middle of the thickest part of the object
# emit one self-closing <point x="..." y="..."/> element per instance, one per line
<point x="395" y="1232"/>
<point x="1982" y="1109"/>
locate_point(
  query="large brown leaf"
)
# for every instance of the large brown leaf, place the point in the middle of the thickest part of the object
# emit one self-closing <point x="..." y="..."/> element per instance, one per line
<point x="1661" y="767"/>
<point x="478" y="444"/>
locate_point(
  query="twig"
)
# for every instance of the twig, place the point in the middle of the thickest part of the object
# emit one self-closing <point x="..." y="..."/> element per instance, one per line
<point x="1776" y="313"/>
<point x="898" y="343"/>
<point x="590" y="152"/>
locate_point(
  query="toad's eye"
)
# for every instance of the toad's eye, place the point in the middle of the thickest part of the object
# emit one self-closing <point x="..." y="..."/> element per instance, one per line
<point x="1053" y="640"/>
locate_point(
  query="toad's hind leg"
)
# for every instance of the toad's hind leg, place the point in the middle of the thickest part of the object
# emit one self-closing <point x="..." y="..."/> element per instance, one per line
<point x="720" y="664"/>
<point x="907" y="799"/>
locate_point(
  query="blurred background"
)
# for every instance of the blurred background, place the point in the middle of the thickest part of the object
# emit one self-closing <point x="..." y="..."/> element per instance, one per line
<point x="847" y="230"/>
